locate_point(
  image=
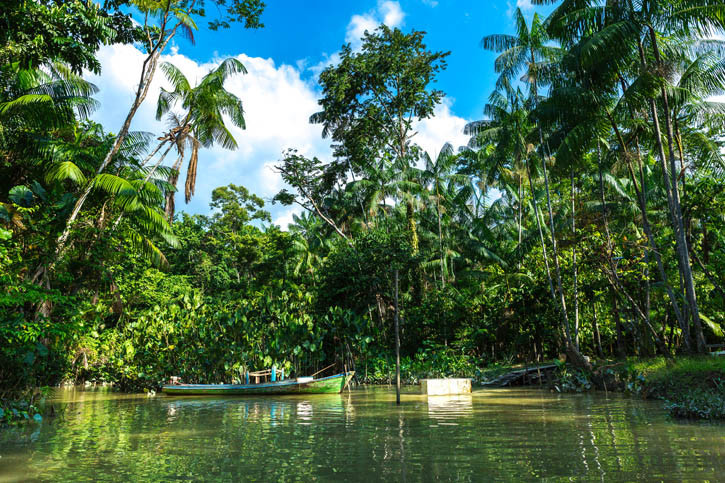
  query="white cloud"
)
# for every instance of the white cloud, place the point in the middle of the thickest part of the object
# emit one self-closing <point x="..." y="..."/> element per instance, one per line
<point x="525" y="5"/>
<point x="387" y="12"/>
<point x="392" y="13"/>
<point x="285" y="218"/>
<point x="278" y="102"/>
<point x="277" y="105"/>
<point x="327" y="60"/>
<point x="358" y="25"/>
<point x="443" y="127"/>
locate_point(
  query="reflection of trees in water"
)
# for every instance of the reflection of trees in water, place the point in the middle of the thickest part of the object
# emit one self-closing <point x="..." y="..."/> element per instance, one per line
<point x="506" y="435"/>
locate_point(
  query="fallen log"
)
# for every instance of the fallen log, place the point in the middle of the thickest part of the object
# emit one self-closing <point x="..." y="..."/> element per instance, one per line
<point x="512" y="377"/>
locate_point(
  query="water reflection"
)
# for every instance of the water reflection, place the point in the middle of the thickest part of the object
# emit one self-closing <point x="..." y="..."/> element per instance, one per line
<point x="362" y="435"/>
<point x="448" y="410"/>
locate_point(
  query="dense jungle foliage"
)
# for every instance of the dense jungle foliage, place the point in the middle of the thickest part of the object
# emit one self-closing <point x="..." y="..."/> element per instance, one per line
<point x="584" y="217"/>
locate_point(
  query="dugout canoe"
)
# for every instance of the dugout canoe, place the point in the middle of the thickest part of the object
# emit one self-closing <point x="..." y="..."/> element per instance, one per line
<point x="301" y="385"/>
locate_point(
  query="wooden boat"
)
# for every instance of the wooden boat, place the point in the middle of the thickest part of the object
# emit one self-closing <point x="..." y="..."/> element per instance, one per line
<point x="301" y="385"/>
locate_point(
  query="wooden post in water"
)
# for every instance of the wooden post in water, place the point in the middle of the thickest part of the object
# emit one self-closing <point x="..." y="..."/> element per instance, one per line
<point x="397" y="343"/>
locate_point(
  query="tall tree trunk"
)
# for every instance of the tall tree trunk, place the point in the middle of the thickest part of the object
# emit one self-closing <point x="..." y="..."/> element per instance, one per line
<point x="173" y="180"/>
<point x="552" y="230"/>
<point x="541" y="234"/>
<point x="642" y="202"/>
<point x="397" y="342"/>
<point x="647" y="290"/>
<point x="573" y="258"/>
<point x="148" y="158"/>
<point x="572" y="351"/>
<point x="535" y="95"/>
<point x="148" y="70"/>
<point x="146" y="178"/>
<point x="520" y="217"/>
<point x="597" y="335"/>
<point x="618" y="324"/>
<point x="440" y="238"/>
<point x="673" y="197"/>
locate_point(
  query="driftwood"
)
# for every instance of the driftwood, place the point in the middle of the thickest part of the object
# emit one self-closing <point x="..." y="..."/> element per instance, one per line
<point x="528" y="374"/>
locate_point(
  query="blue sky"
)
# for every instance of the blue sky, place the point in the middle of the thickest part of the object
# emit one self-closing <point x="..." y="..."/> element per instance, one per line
<point x="280" y="91"/>
<point x="314" y="30"/>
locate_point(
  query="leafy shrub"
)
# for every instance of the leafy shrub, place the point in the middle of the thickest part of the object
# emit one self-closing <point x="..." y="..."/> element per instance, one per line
<point x="431" y="361"/>
<point x="698" y="404"/>
<point x="570" y="379"/>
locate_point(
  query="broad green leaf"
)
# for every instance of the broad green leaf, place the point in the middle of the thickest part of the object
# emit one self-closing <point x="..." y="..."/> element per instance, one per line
<point x="21" y="196"/>
<point x="714" y="326"/>
<point x="66" y="170"/>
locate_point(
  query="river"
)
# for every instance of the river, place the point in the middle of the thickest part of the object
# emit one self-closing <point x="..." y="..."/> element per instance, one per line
<point x="360" y="435"/>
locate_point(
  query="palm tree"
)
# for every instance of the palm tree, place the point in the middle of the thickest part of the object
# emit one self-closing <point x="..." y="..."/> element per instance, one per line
<point x="507" y="134"/>
<point x="72" y="164"/>
<point x="632" y="33"/>
<point x="202" y="122"/>
<point x="311" y="243"/>
<point x="435" y="175"/>
<point x="173" y="17"/>
<point x="582" y="107"/>
<point x="46" y="98"/>
<point x="128" y="191"/>
<point x="528" y="50"/>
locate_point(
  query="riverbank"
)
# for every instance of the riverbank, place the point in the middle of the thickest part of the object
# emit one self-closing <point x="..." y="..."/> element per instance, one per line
<point x="691" y="387"/>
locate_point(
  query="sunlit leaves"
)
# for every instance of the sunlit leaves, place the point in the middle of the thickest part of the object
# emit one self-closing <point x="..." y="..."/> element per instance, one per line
<point x="66" y="170"/>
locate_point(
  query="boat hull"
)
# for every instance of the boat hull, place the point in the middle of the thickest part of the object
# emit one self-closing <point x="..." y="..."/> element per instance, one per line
<point x="326" y="385"/>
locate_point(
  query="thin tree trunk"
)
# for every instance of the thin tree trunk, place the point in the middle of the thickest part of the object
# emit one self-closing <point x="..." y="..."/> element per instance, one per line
<point x="535" y="95"/>
<point x="552" y="229"/>
<point x="397" y="342"/>
<point x="146" y="178"/>
<point x="605" y="209"/>
<point x="597" y="335"/>
<point x="147" y="74"/>
<point x="412" y="225"/>
<point x="709" y="275"/>
<point x="640" y="194"/>
<point x="618" y="325"/>
<point x="674" y="201"/>
<point x="357" y="195"/>
<point x="153" y="153"/>
<point x="647" y="293"/>
<point x="681" y="151"/>
<point x="634" y="307"/>
<point x="440" y="238"/>
<point x="520" y="216"/>
<point x="574" y="265"/>
<point x="173" y="179"/>
<point x="541" y="234"/>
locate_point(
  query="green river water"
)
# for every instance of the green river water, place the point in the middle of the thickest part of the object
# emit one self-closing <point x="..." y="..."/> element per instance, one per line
<point x="499" y="434"/>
